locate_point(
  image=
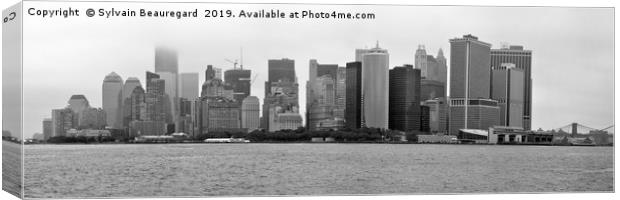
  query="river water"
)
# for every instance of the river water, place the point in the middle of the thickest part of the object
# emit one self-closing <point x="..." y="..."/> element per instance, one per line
<point x="148" y="170"/>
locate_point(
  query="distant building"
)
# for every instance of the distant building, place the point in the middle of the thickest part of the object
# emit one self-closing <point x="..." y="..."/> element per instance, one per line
<point x="166" y="60"/>
<point x="218" y="113"/>
<point x="211" y="73"/>
<point x="112" y="99"/>
<point x="442" y="69"/>
<point x="425" y="118"/>
<point x="239" y="80"/>
<point x="341" y="93"/>
<point x="158" y="106"/>
<point x="78" y="103"/>
<point x="281" y="89"/>
<point x="130" y="84"/>
<point x="189" y="85"/>
<point x="217" y="88"/>
<point x="171" y="91"/>
<point x="375" y="88"/>
<point x="92" y="118"/>
<point x="437" y="114"/>
<point x="140" y="128"/>
<point x="507" y="89"/>
<point x="404" y="98"/>
<point x="523" y="60"/>
<point x="323" y="95"/>
<point x="63" y="120"/>
<point x="431" y="89"/>
<point x="353" y="107"/>
<point x="421" y="61"/>
<point x="250" y="113"/>
<point x="480" y="114"/>
<point x="283" y="120"/>
<point x="47" y="128"/>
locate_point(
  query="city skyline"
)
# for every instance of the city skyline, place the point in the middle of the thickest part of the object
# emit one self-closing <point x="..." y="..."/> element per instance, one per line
<point x="549" y="91"/>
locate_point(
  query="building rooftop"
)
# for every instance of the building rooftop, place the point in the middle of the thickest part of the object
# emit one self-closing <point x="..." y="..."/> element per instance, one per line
<point x="476" y="131"/>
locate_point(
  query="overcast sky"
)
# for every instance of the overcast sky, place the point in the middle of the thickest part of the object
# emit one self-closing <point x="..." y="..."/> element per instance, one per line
<point x="572" y="66"/>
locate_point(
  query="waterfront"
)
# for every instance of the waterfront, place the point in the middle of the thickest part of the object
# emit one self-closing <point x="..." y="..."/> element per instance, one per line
<point x="58" y="171"/>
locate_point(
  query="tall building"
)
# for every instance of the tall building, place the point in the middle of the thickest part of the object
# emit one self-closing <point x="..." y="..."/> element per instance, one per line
<point x="475" y="114"/>
<point x="112" y="100"/>
<point x="442" y="69"/>
<point x="130" y="84"/>
<point x="250" y="113"/>
<point x="63" y="120"/>
<point x="321" y="94"/>
<point x="189" y="86"/>
<point x="218" y="73"/>
<point x="156" y="100"/>
<point x="470" y="84"/>
<point x="469" y="68"/>
<point x="353" y="107"/>
<point x="421" y="61"/>
<point x="437" y="115"/>
<point x="507" y="88"/>
<point x="171" y="91"/>
<point x="375" y="89"/>
<point x="166" y="60"/>
<point x="210" y="73"/>
<point x="341" y="93"/>
<point x="359" y="54"/>
<point x="216" y="88"/>
<point x="47" y="128"/>
<point x="239" y="80"/>
<point x="523" y="60"/>
<point x="77" y="103"/>
<point x="135" y="106"/>
<point x="404" y="98"/>
<point x="281" y="89"/>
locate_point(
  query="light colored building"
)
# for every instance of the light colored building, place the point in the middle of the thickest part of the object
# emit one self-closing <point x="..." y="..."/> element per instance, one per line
<point x="250" y="113"/>
<point x="375" y="90"/>
<point x="166" y="60"/>
<point x="189" y="85"/>
<point x="218" y="113"/>
<point x="63" y="120"/>
<point x="341" y="93"/>
<point x="438" y="115"/>
<point x="481" y="114"/>
<point x="112" y="99"/>
<point x="421" y="61"/>
<point x="78" y="103"/>
<point x="280" y="120"/>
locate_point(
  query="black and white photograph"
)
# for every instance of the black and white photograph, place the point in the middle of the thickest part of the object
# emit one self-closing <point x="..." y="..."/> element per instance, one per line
<point x="170" y="99"/>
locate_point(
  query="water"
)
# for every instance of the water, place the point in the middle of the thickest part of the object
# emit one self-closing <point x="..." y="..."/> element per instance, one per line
<point x="11" y="168"/>
<point x="55" y="171"/>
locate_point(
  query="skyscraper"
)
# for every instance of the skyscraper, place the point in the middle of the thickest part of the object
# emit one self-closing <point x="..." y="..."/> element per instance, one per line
<point x="166" y="60"/>
<point x="63" y="120"/>
<point x="523" y="61"/>
<point x="431" y="89"/>
<point x="112" y="99"/>
<point x="442" y="69"/>
<point x="375" y="90"/>
<point x="507" y="88"/>
<point x="353" y="107"/>
<point x="77" y="103"/>
<point x="47" y="128"/>
<point x="438" y="114"/>
<point x="341" y="92"/>
<point x="281" y="89"/>
<point x="321" y="94"/>
<point x="421" y="62"/>
<point x="210" y="73"/>
<point x="250" y="113"/>
<point x="239" y="80"/>
<point x="92" y="118"/>
<point x="470" y="106"/>
<point x="189" y="85"/>
<point x="469" y="68"/>
<point x="171" y="91"/>
<point x="404" y="98"/>
<point x="130" y="84"/>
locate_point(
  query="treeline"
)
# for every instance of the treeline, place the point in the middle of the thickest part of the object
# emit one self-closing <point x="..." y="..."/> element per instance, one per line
<point x="79" y="139"/>
<point x="301" y="135"/>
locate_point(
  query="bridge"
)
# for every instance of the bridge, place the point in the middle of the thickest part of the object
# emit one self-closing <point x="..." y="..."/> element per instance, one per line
<point x="576" y="128"/>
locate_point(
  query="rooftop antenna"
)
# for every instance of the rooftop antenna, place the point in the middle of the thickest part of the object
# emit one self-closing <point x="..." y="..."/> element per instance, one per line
<point x="241" y="58"/>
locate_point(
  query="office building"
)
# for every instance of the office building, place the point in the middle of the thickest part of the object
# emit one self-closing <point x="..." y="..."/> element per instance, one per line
<point x="375" y="89"/>
<point x="217" y="88"/>
<point x="431" y="89"/>
<point x="481" y="114"/>
<point x="421" y="61"/>
<point x="250" y="113"/>
<point x="112" y="100"/>
<point x="470" y="76"/>
<point x="143" y="128"/>
<point x="239" y="80"/>
<point x="63" y="120"/>
<point x="404" y="98"/>
<point x="320" y="93"/>
<point x="522" y="59"/>
<point x="442" y="69"/>
<point x="341" y="93"/>
<point x="281" y="89"/>
<point x="92" y="118"/>
<point x="437" y="115"/>
<point x="188" y="86"/>
<point x="166" y="60"/>
<point x="216" y="113"/>
<point x="47" y="128"/>
<point x="507" y="88"/>
<point x="353" y="107"/>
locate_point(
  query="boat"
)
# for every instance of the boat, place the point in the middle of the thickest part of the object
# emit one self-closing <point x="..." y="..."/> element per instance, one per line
<point x="226" y="140"/>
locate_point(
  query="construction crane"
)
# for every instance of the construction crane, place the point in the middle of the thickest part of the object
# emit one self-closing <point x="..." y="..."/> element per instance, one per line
<point x="233" y="62"/>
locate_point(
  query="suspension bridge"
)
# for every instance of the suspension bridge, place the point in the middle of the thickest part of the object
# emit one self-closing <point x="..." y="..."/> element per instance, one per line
<point x="576" y="128"/>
